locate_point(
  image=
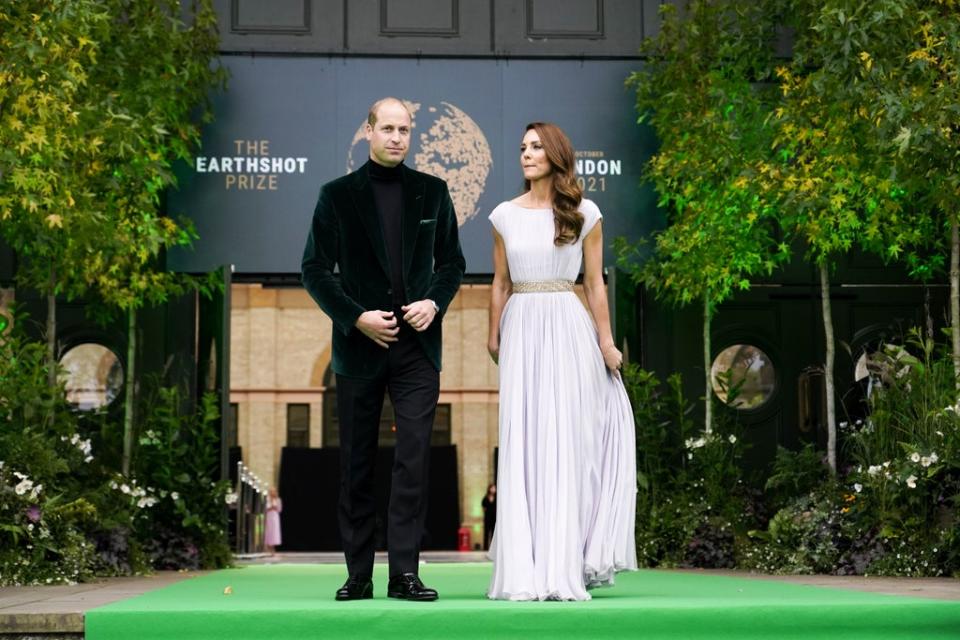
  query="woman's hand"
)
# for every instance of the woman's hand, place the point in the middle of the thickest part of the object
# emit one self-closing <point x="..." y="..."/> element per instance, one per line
<point x="612" y="357"/>
<point x="493" y="348"/>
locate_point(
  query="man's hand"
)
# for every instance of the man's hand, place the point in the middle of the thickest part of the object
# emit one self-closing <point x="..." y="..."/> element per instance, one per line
<point x="379" y="326"/>
<point x="419" y="314"/>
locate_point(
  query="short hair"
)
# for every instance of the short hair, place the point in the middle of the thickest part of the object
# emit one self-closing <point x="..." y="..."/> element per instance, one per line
<point x="372" y="114"/>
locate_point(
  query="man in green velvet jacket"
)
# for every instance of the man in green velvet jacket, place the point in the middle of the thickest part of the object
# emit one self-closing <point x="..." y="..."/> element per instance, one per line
<point x="392" y="234"/>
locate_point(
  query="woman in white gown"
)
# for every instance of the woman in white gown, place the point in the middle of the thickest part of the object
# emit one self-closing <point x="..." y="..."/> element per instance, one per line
<point x="567" y="461"/>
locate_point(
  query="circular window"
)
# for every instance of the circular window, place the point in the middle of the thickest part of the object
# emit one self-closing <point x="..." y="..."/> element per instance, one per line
<point x="743" y="376"/>
<point x="92" y="375"/>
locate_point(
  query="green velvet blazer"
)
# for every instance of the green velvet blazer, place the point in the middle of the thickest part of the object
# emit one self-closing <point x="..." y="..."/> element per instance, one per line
<point x="346" y="235"/>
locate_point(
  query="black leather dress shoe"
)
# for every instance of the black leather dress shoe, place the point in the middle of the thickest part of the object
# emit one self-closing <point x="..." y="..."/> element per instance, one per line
<point x="407" y="586"/>
<point x="356" y="588"/>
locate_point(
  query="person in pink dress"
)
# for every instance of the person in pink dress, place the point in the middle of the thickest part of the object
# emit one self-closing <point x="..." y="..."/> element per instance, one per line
<point x="271" y="536"/>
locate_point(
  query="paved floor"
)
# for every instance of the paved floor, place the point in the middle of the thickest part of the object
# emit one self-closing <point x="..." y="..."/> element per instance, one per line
<point x="44" y="611"/>
<point x="59" y="609"/>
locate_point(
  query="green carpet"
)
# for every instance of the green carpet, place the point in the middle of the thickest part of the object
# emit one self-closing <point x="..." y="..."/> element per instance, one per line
<point x="296" y="602"/>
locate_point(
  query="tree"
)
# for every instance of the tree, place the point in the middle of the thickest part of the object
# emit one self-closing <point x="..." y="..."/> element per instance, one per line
<point x="156" y="73"/>
<point x="49" y="213"/>
<point x="90" y="157"/>
<point x="833" y="189"/>
<point x="699" y="90"/>
<point x="912" y="73"/>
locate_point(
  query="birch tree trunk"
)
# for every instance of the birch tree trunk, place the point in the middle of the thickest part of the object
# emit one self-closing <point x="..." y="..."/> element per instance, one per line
<point x="130" y="390"/>
<point x="828" y="367"/>
<point x="955" y="298"/>
<point x="52" y="329"/>
<point x="707" y="365"/>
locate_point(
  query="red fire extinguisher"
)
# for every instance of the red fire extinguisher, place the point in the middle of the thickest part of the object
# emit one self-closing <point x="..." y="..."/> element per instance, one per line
<point x="463" y="539"/>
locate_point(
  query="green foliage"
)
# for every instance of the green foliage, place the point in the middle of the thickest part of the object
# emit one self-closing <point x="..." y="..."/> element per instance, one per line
<point x="66" y="515"/>
<point x="179" y="458"/>
<point x="97" y="99"/>
<point x="45" y="465"/>
<point x="913" y="98"/>
<point x="699" y="91"/>
<point x="47" y="155"/>
<point x="692" y="501"/>
<point x="912" y="401"/>
<point x="896" y="508"/>
<point x="833" y="186"/>
<point x="905" y="459"/>
<point x="794" y="473"/>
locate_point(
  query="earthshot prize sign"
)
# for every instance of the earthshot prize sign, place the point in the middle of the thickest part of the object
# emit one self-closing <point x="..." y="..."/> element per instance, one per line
<point x="252" y="190"/>
<point x="251" y="168"/>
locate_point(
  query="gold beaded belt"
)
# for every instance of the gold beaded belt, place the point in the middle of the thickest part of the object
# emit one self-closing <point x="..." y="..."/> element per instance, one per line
<point x="542" y="286"/>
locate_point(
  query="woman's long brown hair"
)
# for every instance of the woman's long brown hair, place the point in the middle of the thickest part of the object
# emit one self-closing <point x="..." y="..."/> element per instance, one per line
<point x="567" y="193"/>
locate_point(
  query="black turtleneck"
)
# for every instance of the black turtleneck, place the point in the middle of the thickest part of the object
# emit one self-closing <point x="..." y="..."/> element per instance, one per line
<point x="387" y="186"/>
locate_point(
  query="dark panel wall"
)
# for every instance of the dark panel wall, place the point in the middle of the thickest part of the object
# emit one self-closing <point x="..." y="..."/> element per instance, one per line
<point x="7" y="264"/>
<point x="538" y="28"/>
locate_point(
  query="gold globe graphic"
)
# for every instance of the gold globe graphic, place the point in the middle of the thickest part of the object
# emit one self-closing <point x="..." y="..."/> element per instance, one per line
<point x="450" y="146"/>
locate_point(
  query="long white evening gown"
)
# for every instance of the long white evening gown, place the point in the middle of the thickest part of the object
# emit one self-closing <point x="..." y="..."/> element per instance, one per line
<point x="566" y="481"/>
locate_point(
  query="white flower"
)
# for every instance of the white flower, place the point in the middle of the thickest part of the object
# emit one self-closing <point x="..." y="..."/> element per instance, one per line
<point x="934" y="458"/>
<point x="88" y="459"/>
<point x="175" y="496"/>
<point x="858" y="487"/>
<point x="230" y="498"/>
<point x="874" y="469"/>
<point x="699" y="442"/>
<point x="124" y="488"/>
<point x="732" y="439"/>
<point x="23" y="486"/>
<point x="912" y="482"/>
<point x="939" y="433"/>
<point x="915" y="457"/>
<point x="113" y="484"/>
<point x="75" y="438"/>
<point x="843" y="425"/>
<point x="20" y="475"/>
<point x="886" y="464"/>
<point x="689" y="456"/>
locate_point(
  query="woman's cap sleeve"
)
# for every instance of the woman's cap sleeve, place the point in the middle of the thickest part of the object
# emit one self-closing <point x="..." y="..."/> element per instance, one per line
<point x="496" y="218"/>
<point x="591" y="216"/>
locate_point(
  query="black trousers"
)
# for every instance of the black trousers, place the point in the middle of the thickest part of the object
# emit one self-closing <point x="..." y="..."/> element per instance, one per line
<point x="414" y="387"/>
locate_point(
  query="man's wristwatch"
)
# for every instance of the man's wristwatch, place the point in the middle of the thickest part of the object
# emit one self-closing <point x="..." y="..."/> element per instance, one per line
<point x="436" y="307"/>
